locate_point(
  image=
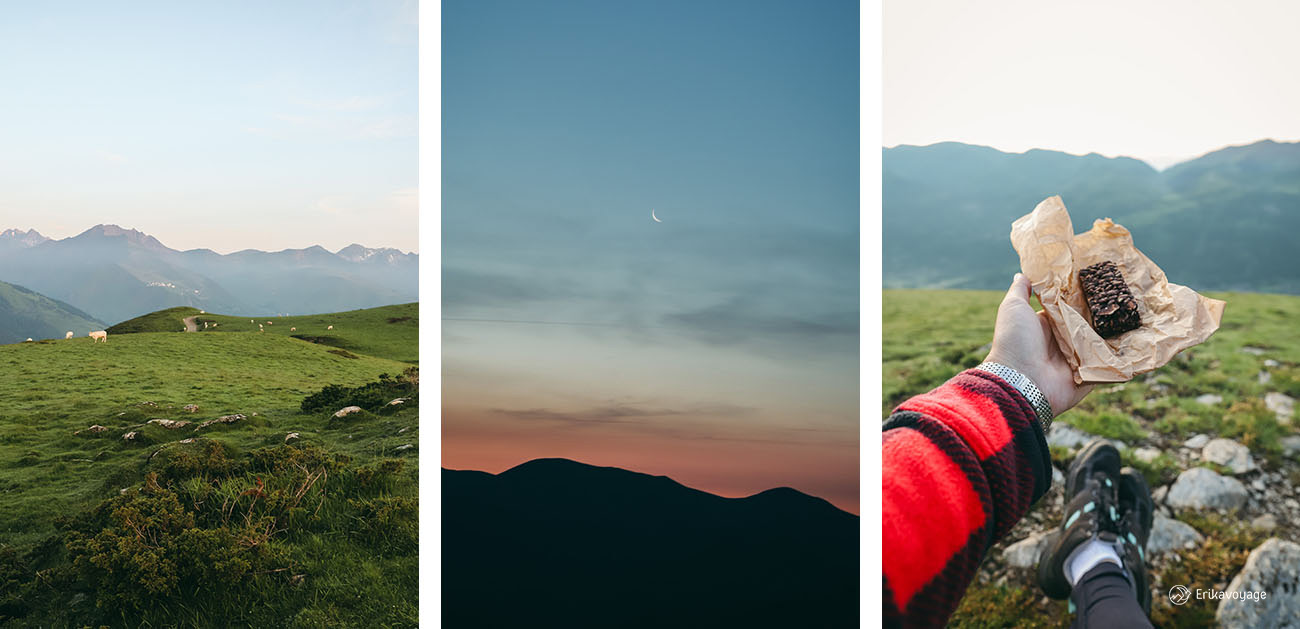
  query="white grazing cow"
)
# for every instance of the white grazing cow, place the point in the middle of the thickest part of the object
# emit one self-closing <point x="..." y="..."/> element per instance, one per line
<point x="99" y="336"/>
<point x="293" y="329"/>
<point x="270" y="323"/>
<point x="330" y="328"/>
<point x="68" y="335"/>
<point x="29" y="339"/>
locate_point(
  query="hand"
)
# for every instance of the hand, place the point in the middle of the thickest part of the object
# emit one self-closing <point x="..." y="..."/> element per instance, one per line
<point x="1022" y="340"/>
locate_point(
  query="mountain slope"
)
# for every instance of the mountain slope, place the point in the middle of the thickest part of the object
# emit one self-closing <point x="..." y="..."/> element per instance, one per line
<point x="1224" y="221"/>
<point x="27" y="314"/>
<point x="569" y="544"/>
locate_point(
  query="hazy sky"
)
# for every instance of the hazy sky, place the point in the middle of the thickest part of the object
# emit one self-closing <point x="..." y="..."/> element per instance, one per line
<point x="225" y="125"/>
<point x="1160" y="80"/>
<point x="718" y="347"/>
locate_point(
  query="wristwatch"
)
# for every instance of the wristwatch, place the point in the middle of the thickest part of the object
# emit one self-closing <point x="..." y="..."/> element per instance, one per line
<point x="1026" y="387"/>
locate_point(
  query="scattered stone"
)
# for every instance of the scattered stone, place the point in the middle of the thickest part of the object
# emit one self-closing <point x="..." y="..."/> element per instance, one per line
<point x="1024" y="553"/>
<point x="93" y="429"/>
<point x="1058" y="478"/>
<point x="1271" y="568"/>
<point x="403" y="447"/>
<point x="169" y="423"/>
<point x="1266" y="522"/>
<point x="1146" y="454"/>
<point x="1231" y="454"/>
<point x="191" y="408"/>
<point x="190" y="440"/>
<point x="1158" y="496"/>
<point x="1291" y="445"/>
<point x="224" y="419"/>
<point x="1269" y="362"/>
<point x="1209" y="399"/>
<point x="1197" y="442"/>
<point x="400" y="400"/>
<point x="1281" y="404"/>
<point x="1265" y="377"/>
<point x="1259" y="485"/>
<point x="347" y="410"/>
<point x="1168" y="534"/>
<point x="296" y="579"/>
<point x="1256" y="351"/>
<point x="1203" y="488"/>
<point x="290" y="437"/>
<point x="149" y="404"/>
<point x="121" y="492"/>
<point x="1067" y="436"/>
<point x="1292" y="504"/>
<point x="404" y="430"/>
<point x="130" y="436"/>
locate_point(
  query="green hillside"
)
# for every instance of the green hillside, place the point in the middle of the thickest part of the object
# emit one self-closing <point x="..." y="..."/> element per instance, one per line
<point x="931" y="335"/>
<point x="27" y="314"/>
<point x="236" y="526"/>
<point x="388" y="331"/>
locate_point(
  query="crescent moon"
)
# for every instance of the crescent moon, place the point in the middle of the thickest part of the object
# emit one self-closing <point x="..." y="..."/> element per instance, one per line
<point x="652" y="215"/>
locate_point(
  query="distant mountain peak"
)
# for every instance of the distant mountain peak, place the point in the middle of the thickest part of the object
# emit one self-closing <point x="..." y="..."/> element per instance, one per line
<point x="358" y="253"/>
<point x="29" y="238"/>
<point x="132" y="236"/>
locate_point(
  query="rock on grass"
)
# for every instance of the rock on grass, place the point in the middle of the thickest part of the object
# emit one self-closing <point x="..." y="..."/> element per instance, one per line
<point x="1203" y="488"/>
<point x="1229" y="453"/>
<point x="1168" y="534"/>
<point x="1272" y="567"/>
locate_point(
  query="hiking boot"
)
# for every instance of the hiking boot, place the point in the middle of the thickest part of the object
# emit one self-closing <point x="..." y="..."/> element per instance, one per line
<point x="1137" y="512"/>
<point x="1090" y="512"/>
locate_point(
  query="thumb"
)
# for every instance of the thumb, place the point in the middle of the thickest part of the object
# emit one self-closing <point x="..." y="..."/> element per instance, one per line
<point x="1020" y="289"/>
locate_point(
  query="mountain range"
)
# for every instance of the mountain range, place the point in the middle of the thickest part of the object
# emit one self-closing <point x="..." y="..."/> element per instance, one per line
<point x="557" y="543"/>
<point x="1224" y="221"/>
<point x="116" y="274"/>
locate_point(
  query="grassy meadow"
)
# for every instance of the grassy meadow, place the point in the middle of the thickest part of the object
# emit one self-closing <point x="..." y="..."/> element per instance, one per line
<point x="931" y="335"/>
<point x="226" y="524"/>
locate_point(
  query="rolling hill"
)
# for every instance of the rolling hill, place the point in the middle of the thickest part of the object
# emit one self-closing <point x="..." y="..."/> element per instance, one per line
<point x="115" y="274"/>
<point x="554" y="542"/>
<point x="1223" y="221"/>
<point x="27" y="314"/>
<point x="256" y="512"/>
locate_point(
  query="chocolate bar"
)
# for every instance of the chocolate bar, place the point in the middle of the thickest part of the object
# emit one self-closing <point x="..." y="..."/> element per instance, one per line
<point x="1113" y="307"/>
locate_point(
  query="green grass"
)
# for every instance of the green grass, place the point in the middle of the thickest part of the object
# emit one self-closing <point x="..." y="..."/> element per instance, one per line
<point x="389" y="331"/>
<point x="930" y="335"/>
<point x="51" y="479"/>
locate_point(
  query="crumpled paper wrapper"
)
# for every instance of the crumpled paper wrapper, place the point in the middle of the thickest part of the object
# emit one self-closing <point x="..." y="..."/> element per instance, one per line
<point x="1174" y="317"/>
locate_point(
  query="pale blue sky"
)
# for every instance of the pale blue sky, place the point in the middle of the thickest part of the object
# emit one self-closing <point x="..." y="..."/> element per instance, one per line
<point x="228" y="125"/>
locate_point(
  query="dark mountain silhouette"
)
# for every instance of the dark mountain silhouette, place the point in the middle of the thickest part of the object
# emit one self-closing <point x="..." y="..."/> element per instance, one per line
<point x="556" y="543"/>
<point x="116" y="273"/>
<point x="1224" y="221"/>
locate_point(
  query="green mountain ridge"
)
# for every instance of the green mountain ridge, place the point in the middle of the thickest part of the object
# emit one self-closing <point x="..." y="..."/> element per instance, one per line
<point x="1223" y="221"/>
<point x="25" y="313"/>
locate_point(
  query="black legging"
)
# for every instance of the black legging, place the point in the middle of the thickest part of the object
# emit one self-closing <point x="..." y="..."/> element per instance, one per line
<point x="1104" y="598"/>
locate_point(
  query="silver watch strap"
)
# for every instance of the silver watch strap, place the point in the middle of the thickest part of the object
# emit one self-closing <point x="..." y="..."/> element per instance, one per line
<point x="1026" y="387"/>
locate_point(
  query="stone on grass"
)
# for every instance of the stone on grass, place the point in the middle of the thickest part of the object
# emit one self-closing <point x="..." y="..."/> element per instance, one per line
<point x="400" y="400"/>
<point x="1168" y="534"/>
<point x="1158" y="496"/>
<point x="403" y="447"/>
<point x="169" y="423"/>
<point x="347" y="410"/>
<point x="1256" y="351"/>
<point x="1271" y="568"/>
<point x="191" y="408"/>
<point x="1203" y="488"/>
<point x="1269" y="362"/>
<point x="1197" y="442"/>
<point x="1266" y="522"/>
<point x="1024" y="553"/>
<point x="1229" y="453"/>
<point x="1209" y="399"/>
<point x="224" y="419"/>
<point x="1291" y="445"/>
<point x="1146" y="454"/>
<point x="1067" y="436"/>
<point x="1282" y="405"/>
<point x="130" y="436"/>
<point x="290" y="437"/>
<point x="1265" y="377"/>
<point x="93" y="429"/>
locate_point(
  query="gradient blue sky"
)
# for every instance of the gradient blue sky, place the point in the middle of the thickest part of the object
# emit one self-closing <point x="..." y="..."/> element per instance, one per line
<point x="224" y="125"/>
<point x="718" y="347"/>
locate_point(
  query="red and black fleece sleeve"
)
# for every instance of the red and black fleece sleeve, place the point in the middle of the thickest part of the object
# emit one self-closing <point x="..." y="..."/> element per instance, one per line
<point x="961" y="465"/>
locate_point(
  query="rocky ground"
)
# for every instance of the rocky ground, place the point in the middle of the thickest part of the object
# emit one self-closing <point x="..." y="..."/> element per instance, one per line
<point x="1227" y="517"/>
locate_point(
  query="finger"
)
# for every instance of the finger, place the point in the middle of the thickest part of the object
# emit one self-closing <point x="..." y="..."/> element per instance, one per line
<point x="1019" y="290"/>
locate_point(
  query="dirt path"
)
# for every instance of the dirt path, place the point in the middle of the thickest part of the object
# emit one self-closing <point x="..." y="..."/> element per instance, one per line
<point x="190" y="325"/>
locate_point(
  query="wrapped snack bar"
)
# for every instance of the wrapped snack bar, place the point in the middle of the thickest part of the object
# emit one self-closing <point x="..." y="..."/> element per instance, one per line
<point x="1170" y="317"/>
